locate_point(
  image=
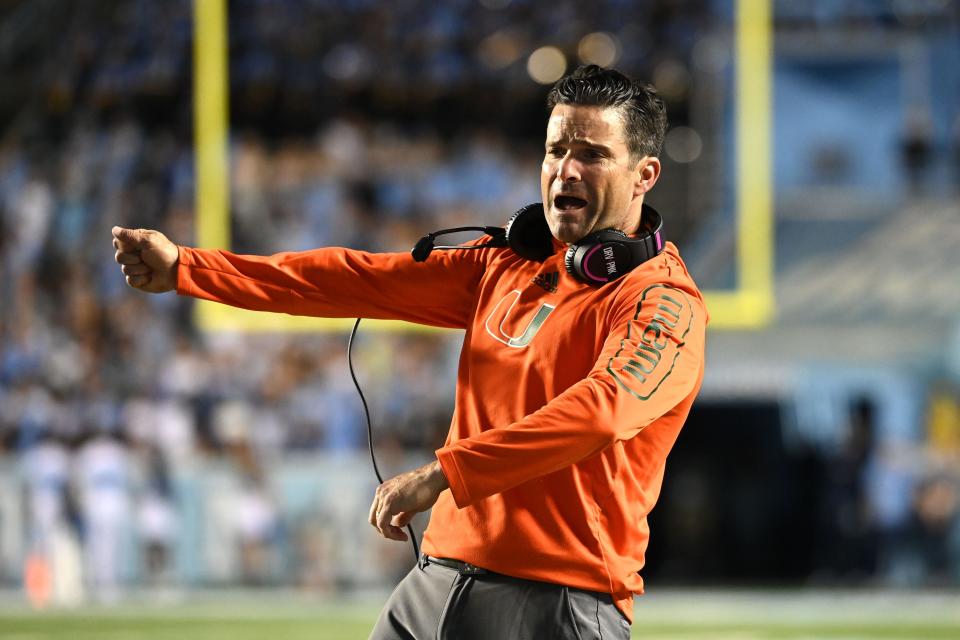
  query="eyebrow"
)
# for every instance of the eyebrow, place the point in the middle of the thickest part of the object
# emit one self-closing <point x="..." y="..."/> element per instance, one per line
<point x="581" y="141"/>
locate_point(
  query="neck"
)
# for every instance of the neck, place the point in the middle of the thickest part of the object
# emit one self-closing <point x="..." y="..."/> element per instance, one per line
<point x="632" y="223"/>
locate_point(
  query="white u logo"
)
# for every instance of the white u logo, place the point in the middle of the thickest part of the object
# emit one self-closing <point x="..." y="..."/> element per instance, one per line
<point x="528" y="333"/>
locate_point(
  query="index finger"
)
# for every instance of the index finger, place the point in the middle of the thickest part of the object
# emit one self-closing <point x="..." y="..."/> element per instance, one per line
<point x="385" y="524"/>
<point x="372" y="518"/>
<point x="127" y="239"/>
<point x="127" y="258"/>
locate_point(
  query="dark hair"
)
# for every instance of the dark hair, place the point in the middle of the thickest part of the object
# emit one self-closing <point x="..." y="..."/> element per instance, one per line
<point x="644" y="114"/>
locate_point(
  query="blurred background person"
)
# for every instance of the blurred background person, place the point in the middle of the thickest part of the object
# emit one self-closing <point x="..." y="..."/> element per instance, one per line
<point x="157" y="521"/>
<point x="102" y="468"/>
<point x="53" y="571"/>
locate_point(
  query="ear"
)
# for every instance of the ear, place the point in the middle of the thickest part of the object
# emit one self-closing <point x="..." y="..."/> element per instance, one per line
<point x="647" y="173"/>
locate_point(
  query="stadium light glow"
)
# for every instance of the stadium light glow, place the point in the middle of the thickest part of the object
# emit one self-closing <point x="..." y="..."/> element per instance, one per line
<point x="598" y="48"/>
<point x="546" y="65"/>
<point x="683" y="144"/>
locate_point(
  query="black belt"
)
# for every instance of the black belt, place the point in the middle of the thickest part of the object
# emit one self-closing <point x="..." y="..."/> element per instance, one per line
<point x="463" y="568"/>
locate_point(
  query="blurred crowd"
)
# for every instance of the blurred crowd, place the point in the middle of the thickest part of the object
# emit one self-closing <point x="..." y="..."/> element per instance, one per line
<point x="348" y="130"/>
<point x="97" y="381"/>
<point x="107" y="396"/>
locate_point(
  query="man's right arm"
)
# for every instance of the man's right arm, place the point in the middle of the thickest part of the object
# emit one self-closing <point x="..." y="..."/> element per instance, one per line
<point x="330" y="282"/>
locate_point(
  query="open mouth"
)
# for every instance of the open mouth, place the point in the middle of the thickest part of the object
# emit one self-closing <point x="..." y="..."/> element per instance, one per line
<point x="568" y="203"/>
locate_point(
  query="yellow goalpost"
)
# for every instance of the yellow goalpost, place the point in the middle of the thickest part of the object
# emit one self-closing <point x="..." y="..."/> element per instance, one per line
<point x="749" y="305"/>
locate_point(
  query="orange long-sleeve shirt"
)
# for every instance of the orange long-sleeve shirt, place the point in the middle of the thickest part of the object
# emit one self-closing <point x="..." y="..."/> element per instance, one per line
<point x="568" y="398"/>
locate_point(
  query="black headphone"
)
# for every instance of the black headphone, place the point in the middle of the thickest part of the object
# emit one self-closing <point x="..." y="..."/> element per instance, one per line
<point x="596" y="259"/>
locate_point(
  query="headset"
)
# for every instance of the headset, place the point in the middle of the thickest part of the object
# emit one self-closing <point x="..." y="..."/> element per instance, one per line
<point x="596" y="259"/>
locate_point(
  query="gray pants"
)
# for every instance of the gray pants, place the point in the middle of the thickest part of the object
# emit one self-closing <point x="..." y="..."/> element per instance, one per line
<point x="435" y="602"/>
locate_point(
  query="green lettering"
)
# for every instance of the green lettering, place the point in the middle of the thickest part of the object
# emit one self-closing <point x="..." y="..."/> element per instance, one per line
<point x="663" y="322"/>
<point x="652" y="342"/>
<point x="676" y="303"/>
<point x="636" y="374"/>
<point x="649" y="354"/>
<point x="532" y="328"/>
<point x="654" y="328"/>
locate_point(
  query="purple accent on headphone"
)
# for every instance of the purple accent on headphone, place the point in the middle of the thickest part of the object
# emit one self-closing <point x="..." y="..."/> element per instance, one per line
<point x="659" y="242"/>
<point x="586" y="260"/>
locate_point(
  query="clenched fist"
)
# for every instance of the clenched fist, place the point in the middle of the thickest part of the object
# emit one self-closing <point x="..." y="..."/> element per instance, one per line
<point x="147" y="258"/>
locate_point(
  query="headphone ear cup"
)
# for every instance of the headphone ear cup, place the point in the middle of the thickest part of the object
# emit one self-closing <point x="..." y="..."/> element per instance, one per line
<point x="528" y="233"/>
<point x="568" y="261"/>
<point x="599" y="258"/>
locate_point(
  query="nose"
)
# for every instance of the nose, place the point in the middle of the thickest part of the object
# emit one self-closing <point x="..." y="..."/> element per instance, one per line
<point x="569" y="169"/>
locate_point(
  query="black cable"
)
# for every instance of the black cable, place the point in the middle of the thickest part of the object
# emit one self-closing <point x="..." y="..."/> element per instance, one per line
<point x="366" y="411"/>
<point x="450" y="247"/>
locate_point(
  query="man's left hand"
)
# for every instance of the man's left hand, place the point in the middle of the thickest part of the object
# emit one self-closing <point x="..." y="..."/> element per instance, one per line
<point x="399" y="499"/>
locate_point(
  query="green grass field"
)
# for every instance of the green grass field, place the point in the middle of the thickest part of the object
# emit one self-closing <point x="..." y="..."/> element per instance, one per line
<point x="701" y="615"/>
<point x="167" y="628"/>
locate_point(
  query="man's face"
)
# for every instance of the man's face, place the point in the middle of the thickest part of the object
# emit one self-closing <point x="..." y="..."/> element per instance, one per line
<point x="588" y="180"/>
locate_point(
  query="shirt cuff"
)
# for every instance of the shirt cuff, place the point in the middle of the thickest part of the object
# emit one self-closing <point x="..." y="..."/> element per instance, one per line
<point x="449" y="465"/>
<point x="184" y="262"/>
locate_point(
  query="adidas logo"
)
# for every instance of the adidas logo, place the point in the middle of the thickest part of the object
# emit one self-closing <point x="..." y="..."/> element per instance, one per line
<point x="548" y="281"/>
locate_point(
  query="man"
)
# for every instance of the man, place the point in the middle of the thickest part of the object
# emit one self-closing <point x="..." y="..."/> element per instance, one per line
<point x="569" y="395"/>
